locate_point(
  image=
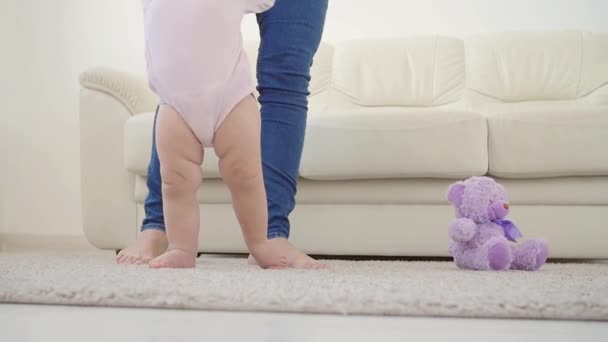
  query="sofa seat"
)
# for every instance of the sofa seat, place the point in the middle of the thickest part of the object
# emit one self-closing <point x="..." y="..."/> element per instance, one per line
<point x="531" y="140"/>
<point x="365" y="144"/>
<point x="394" y="143"/>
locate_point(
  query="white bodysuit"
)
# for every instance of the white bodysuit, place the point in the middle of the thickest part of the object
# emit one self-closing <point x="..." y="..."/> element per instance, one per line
<point x="195" y="58"/>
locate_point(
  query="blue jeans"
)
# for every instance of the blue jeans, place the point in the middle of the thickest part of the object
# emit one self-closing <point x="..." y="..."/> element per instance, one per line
<point x="290" y="34"/>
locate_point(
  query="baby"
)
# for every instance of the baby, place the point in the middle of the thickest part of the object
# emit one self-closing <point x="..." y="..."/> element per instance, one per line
<point x="197" y="67"/>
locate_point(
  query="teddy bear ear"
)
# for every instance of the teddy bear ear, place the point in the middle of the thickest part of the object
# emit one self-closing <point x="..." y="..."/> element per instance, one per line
<point x="455" y="193"/>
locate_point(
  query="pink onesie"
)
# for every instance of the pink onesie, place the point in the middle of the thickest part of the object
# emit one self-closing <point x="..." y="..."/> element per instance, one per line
<point x="195" y="58"/>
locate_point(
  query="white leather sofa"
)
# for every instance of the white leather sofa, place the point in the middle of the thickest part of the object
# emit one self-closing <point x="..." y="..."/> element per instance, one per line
<point x="392" y="123"/>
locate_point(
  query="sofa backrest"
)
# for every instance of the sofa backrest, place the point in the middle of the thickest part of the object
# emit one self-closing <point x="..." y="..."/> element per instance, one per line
<point x="428" y="71"/>
<point x="419" y="71"/>
<point x="537" y="66"/>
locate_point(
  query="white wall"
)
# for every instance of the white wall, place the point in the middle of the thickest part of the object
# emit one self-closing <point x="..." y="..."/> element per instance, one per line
<point x="46" y="44"/>
<point x="11" y="85"/>
<point x="367" y="18"/>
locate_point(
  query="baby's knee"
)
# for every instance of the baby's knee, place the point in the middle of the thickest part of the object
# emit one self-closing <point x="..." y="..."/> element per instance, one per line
<point x="241" y="173"/>
<point x="180" y="177"/>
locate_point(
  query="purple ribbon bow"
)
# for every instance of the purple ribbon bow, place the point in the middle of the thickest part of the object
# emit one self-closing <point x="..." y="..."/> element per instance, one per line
<point x="512" y="233"/>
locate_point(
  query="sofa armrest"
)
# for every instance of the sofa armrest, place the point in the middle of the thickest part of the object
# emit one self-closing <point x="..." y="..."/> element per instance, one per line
<point x="130" y="89"/>
<point x="109" y="211"/>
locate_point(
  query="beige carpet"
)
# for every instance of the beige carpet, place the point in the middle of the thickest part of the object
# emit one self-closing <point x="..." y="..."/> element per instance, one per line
<point x="559" y="291"/>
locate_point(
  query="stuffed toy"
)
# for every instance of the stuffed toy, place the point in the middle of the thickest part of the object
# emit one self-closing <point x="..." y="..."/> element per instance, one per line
<point x="481" y="237"/>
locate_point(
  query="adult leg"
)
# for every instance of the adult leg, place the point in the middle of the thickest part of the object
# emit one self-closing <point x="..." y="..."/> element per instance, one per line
<point x="290" y="35"/>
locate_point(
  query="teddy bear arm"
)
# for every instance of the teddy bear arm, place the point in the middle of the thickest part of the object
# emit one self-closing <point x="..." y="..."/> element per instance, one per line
<point x="462" y="229"/>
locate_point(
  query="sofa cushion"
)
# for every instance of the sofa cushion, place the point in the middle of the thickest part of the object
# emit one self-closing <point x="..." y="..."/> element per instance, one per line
<point x="395" y="143"/>
<point x="138" y="146"/>
<point x="537" y="66"/>
<point x="531" y="140"/>
<point x="414" y="71"/>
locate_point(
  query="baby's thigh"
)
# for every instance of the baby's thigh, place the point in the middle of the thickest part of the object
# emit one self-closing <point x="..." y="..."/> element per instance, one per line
<point x="239" y="133"/>
<point x="237" y="140"/>
<point x="179" y="151"/>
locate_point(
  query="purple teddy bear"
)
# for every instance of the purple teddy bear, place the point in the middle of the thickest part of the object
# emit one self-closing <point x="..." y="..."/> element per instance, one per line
<point x="480" y="233"/>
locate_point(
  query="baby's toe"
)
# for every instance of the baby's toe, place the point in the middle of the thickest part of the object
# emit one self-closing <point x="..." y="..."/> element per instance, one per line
<point x="319" y="266"/>
<point x="283" y="262"/>
<point x="120" y="258"/>
<point x="155" y="263"/>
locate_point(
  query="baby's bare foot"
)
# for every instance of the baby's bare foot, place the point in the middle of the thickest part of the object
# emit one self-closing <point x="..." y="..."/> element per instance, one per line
<point x="295" y="257"/>
<point x="149" y="244"/>
<point x="267" y="256"/>
<point x="174" y="258"/>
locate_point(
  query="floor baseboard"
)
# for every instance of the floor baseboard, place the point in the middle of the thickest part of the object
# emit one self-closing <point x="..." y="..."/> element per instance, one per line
<point x="17" y="242"/>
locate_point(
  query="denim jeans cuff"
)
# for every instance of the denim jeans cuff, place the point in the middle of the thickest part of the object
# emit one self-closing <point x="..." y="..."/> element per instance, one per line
<point x="277" y="235"/>
<point x="152" y="226"/>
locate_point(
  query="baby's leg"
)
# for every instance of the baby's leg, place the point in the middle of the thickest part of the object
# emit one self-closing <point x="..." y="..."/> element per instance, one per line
<point x="237" y="144"/>
<point x="181" y="156"/>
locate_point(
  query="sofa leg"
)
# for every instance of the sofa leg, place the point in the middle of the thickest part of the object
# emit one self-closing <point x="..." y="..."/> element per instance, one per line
<point x="198" y="255"/>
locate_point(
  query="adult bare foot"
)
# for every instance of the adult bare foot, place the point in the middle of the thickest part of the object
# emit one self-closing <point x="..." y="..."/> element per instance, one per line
<point x="149" y="244"/>
<point x="295" y="257"/>
<point x="175" y="258"/>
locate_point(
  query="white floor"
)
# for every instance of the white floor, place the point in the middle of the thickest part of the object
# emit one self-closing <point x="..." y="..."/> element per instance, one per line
<point x="60" y="323"/>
